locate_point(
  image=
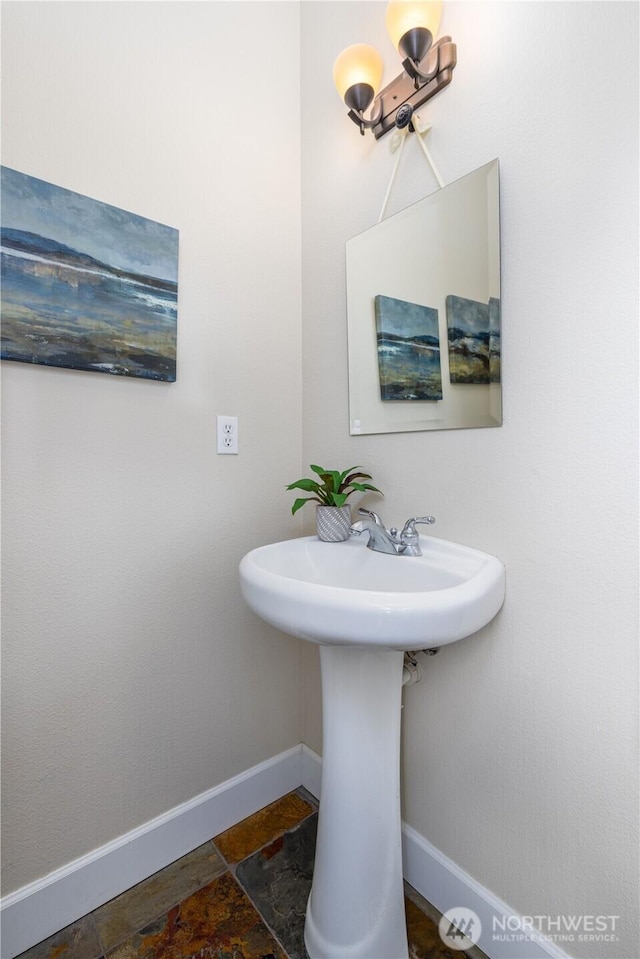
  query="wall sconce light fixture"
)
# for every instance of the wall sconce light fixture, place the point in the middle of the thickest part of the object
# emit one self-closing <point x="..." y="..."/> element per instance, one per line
<point x="427" y="68"/>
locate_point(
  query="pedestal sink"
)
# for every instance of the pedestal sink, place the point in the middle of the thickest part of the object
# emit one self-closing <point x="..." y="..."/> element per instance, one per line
<point x="365" y="609"/>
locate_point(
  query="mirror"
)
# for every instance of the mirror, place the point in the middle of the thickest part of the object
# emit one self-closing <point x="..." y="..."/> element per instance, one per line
<point x="423" y="313"/>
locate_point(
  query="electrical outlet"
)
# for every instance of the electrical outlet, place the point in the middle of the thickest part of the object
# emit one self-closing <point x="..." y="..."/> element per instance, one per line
<point x="227" y="434"/>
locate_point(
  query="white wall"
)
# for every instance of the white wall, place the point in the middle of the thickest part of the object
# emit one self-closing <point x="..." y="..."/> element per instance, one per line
<point x="135" y="678"/>
<point x="520" y="745"/>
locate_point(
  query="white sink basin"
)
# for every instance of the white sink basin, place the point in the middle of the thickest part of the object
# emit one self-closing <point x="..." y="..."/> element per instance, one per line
<point x="364" y="608"/>
<point x="346" y="594"/>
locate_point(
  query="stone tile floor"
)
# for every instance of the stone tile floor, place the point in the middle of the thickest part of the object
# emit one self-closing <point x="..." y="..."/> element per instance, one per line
<point x="240" y="896"/>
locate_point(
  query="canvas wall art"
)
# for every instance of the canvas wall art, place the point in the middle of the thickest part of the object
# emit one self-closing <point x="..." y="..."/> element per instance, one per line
<point x="408" y="350"/>
<point x="474" y="340"/>
<point x="86" y="285"/>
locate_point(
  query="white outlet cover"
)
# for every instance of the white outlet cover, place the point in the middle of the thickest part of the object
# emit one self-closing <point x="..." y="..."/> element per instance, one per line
<point x="227" y="434"/>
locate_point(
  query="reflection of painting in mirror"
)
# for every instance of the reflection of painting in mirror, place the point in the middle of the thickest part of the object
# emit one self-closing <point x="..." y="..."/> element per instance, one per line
<point x="494" y="340"/>
<point x="474" y="340"/>
<point x="408" y="350"/>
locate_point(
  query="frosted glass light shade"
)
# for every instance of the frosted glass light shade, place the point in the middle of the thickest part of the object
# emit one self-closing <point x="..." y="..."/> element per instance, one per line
<point x="404" y="15"/>
<point x="359" y="63"/>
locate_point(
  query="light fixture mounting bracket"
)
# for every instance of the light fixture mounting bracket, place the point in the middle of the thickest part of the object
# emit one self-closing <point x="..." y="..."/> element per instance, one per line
<point x="403" y="88"/>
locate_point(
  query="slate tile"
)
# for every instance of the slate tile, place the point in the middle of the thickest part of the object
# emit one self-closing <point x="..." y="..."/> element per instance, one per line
<point x="217" y="922"/>
<point x="422" y="931"/>
<point x="256" y="831"/>
<point x="77" y="941"/>
<point x="423" y="935"/>
<point x="153" y="897"/>
<point x="278" y="880"/>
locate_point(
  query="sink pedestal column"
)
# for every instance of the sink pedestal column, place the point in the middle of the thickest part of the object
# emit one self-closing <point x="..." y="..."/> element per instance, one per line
<point x="356" y="906"/>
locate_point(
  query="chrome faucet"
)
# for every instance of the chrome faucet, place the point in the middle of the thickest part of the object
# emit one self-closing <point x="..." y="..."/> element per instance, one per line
<point x="379" y="538"/>
<point x="407" y="543"/>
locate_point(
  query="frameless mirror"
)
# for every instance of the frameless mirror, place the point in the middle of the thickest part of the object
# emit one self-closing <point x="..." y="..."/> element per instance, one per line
<point x="423" y="313"/>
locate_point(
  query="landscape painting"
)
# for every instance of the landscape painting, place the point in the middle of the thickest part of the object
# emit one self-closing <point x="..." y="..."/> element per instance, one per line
<point x="474" y="340"/>
<point x="408" y="350"/>
<point x="86" y="285"/>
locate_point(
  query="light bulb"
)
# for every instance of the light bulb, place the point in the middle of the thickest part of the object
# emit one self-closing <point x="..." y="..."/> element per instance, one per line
<point x="359" y="63"/>
<point x="405" y="15"/>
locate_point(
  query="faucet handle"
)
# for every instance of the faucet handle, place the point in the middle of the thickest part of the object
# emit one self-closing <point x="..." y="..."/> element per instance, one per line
<point x="409" y="537"/>
<point x="374" y="516"/>
<point x="409" y="528"/>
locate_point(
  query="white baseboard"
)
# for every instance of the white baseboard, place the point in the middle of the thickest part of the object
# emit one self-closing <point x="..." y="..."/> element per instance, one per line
<point x="446" y="886"/>
<point x="42" y="908"/>
<point x="311" y="770"/>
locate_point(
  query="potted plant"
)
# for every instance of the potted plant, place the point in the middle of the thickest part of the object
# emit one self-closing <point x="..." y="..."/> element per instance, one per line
<point x="331" y="491"/>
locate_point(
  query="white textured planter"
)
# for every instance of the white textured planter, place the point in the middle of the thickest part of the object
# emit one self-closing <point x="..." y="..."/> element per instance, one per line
<point x="356" y="906"/>
<point x="333" y="523"/>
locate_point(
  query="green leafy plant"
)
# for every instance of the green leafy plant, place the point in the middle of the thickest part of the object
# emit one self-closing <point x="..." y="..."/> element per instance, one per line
<point x="332" y="488"/>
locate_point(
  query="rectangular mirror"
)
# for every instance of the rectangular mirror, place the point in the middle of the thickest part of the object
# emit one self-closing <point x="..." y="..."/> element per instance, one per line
<point x="423" y="313"/>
